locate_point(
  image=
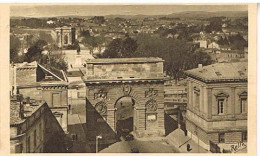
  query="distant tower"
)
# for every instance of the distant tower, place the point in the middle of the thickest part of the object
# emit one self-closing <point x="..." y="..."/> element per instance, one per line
<point x="65" y="36"/>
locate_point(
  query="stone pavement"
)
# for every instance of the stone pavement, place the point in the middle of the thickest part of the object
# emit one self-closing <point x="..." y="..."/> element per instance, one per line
<point x="180" y="141"/>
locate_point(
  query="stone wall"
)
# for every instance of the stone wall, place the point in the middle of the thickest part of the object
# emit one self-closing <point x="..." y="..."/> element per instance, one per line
<point x="125" y="70"/>
<point x="39" y="129"/>
<point x="33" y="93"/>
<point x="62" y="95"/>
<point x="25" y="76"/>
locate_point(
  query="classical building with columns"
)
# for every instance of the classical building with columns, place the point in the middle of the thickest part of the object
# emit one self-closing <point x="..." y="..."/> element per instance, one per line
<point x="128" y="91"/>
<point x="217" y="105"/>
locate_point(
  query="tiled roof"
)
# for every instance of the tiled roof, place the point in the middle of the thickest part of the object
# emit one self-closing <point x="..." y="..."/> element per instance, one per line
<point x="235" y="71"/>
<point x="28" y="110"/>
<point x="124" y="60"/>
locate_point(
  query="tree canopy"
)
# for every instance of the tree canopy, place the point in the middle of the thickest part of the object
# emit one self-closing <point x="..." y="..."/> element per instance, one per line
<point x="176" y="53"/>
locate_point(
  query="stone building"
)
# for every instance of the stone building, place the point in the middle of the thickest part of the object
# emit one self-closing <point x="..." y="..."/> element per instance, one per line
<point x="217" y="105"/>
<point x="38" y="82"/>
<point x="33" y="127"/>
<point x="120" y="85"/>
<point x="65" y="36"/>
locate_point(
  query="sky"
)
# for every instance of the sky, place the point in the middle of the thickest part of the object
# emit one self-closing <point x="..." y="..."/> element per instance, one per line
<point x="102" y="10"/>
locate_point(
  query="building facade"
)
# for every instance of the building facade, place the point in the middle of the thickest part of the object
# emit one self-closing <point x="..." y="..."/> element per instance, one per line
<point x="34" y="128"/>
<point x="37" y="82"/>
<point x="217" y="105"/>
<point x="111" y="83"/>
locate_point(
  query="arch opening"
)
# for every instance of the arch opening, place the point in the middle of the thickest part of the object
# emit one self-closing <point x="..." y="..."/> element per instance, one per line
<point x="124" y="115"/>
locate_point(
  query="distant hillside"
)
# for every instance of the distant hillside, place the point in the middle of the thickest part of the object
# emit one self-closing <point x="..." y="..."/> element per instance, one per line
<point x="188" y="14"/>
<point x="202" y="14"/>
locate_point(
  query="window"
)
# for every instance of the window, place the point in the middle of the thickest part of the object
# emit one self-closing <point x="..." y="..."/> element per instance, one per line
<point x="220" y="106"/>
<point x="56" y="99"/>
<point x="244" y="136"/>
<point x="221" y="138"/>
<point x="66" y="39"/>
<point x="243" y="105"/>
<point x="34" y="138"/>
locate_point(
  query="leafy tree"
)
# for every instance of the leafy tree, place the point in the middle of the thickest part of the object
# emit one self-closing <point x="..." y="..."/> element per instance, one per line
<point x="237" y="42"/>
<point x="176" y="53"/>
<point x="15" y="45"/>
<point x="214" y="25"/>
<point x="129" y="47"/>
<point x="90" y="42"/>
<point x="113" y="50"/>
<point x="121" y="48"/>
<point x="98" y="19"/>
<point x="223" y="41"/>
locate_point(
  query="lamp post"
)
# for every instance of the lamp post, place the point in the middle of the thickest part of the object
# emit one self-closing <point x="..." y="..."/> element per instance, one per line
<point x="97" y="137"/>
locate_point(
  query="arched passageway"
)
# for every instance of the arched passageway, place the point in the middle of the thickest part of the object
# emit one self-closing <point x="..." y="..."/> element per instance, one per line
<point x="124" y="115"/>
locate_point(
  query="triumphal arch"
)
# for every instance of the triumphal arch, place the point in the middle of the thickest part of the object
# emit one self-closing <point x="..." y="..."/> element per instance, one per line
<point x="124" y="94"/>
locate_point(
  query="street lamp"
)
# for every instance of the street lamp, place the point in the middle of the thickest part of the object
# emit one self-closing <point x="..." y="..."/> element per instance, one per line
<point x="97" y="137"/>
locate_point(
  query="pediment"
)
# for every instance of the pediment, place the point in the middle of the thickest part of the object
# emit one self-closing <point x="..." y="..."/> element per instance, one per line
<point x="222" y="94"/>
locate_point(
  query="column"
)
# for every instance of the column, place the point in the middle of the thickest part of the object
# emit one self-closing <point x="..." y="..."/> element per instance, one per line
<point x="111" y="118"/>
<point x="141" y="117"/>
<point x="201" y="106"/>
<point x="232" y="102"/>
<point x="209" y="103"/>
<point x="191" y="94"/>
<point x="205" y="100"/>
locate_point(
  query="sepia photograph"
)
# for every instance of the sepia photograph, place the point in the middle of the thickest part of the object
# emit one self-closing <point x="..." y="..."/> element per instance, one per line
<point x="134" y="78"/>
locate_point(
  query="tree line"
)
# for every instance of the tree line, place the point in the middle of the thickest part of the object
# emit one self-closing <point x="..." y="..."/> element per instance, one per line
<point x="178" y="54"/>
<point x="35" y="53"/>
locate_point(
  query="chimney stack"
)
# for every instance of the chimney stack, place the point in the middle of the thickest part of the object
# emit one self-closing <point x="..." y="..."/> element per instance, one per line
<point x="20" y="100"/>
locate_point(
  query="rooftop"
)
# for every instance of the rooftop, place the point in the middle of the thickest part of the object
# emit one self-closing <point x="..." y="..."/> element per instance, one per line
<point x="124" y="60"/>
<point x="28" y="110"/>
<point x="220" y="72"/>
<point x="46" y="69"/>
<point x="75" y="73"/>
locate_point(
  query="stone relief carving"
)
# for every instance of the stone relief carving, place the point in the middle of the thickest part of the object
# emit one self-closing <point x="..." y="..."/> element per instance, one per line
<point x="151" y="92"/>
<point x="151" y="105"/>
<point x="101" y="108"/>
<point x="127" y="89"/>
<point x="100" y="95"/>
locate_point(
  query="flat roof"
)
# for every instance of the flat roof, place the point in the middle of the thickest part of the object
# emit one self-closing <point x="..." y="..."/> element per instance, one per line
<point x="124" y="60"/>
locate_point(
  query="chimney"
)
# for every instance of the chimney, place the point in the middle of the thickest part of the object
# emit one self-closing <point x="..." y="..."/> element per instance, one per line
<point x="21" y="106"/>
<point x="200" y="66"/>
